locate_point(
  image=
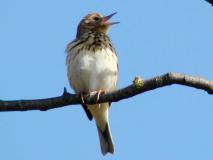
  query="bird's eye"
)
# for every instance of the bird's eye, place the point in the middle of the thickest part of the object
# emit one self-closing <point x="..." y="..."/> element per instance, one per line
<point x="96" y="18"/>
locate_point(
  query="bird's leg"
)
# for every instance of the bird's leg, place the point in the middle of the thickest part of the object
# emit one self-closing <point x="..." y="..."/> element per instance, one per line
<point x="82" y="98"/>
<point x="97" y="93"/>
<point x="86" y="94"/>
<point x="91" y="93"/>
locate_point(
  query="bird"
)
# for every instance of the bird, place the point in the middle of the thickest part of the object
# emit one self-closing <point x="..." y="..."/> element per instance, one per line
<point x="92" y="69"/>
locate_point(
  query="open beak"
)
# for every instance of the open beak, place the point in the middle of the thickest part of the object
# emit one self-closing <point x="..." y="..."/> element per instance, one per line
<point x="106" y="18"/>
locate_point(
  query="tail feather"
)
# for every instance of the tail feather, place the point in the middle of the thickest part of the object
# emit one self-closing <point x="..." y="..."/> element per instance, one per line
<point x="100" y="114"/>
<point x="106" y="140"/>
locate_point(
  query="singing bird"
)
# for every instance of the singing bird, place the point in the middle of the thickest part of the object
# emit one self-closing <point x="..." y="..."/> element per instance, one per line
<point x="92" y="68"/>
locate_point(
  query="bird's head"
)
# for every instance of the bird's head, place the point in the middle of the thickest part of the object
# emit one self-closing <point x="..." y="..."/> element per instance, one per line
<point x="95" y="22"/>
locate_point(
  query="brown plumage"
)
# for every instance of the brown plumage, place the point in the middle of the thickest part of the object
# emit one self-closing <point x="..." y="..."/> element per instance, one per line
<point x="92" y="68"/>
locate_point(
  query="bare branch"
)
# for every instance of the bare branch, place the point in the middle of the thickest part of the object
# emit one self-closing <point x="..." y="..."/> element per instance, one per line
<point x="139" y="86"/>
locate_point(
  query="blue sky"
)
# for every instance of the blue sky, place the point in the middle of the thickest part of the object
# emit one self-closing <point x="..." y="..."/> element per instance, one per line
<point x="154" y="37"/>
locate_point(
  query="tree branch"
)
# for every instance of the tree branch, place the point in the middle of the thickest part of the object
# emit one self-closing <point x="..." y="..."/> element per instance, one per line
<point x="139" y="86"/>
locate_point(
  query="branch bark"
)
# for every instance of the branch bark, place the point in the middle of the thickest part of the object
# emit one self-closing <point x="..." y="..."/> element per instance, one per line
<point x="139" y="86"/>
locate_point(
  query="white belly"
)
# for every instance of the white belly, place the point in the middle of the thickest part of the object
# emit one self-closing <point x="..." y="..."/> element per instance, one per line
<point x="93" y="71"/>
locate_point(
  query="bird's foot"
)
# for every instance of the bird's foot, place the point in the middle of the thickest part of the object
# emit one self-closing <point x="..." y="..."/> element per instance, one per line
<point x="82" y="98"/>
<point x="91" y="93"/>
<point x="97" y="93"/>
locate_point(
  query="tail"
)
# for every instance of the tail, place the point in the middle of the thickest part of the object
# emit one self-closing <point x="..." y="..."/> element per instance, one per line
<point x="100" y="113"/>
<point x="106" y="140"/>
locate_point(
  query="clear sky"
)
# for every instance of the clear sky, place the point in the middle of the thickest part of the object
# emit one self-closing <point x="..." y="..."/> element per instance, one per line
<point x="154" y="37"/>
